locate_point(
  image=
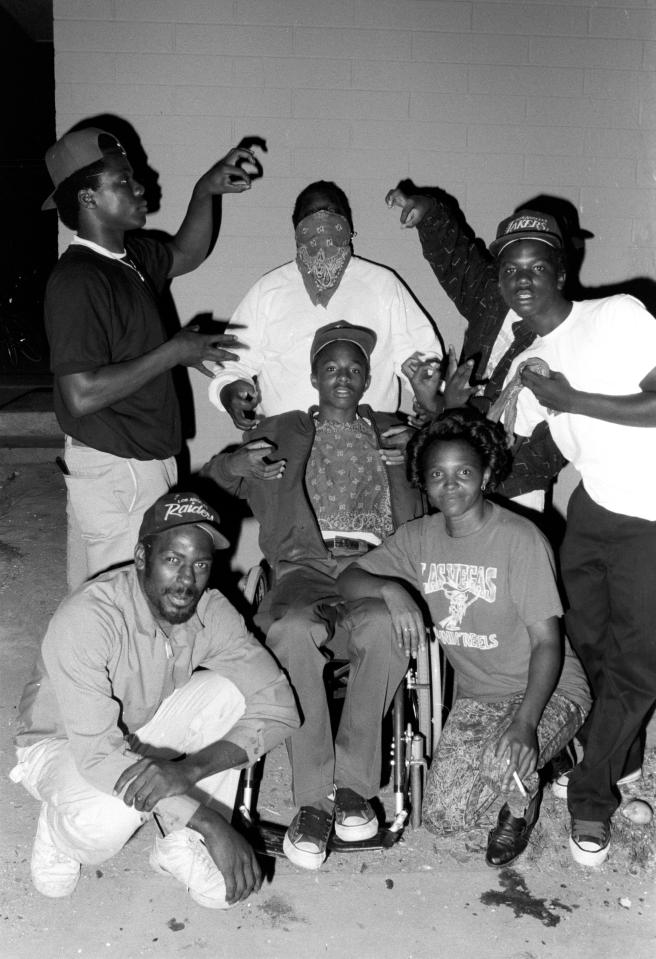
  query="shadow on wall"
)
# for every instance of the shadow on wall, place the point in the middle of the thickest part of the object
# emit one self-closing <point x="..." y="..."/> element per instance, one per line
<point x="565" y="212"/>
<point x="642" y="287"/>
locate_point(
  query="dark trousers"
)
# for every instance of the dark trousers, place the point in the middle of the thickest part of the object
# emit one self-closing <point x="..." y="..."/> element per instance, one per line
<point x="609" y="570"/>
<point x="307" y="623"/>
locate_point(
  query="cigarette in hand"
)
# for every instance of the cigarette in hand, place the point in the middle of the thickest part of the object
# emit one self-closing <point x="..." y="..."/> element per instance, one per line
<point x="520" y="784"/>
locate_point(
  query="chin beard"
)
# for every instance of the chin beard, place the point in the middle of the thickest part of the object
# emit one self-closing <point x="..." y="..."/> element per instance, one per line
<point x="176" y="616"/>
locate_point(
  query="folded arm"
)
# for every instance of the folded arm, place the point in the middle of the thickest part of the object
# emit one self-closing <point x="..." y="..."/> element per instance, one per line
<point x="555" y="392"/>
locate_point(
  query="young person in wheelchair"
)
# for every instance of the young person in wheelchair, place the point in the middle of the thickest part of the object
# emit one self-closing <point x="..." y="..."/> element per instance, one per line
<point x="326" y="490"/>
<point x="487" y="576"/>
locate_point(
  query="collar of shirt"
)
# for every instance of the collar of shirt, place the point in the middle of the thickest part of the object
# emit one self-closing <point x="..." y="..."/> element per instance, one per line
<point x="110" y="254"/>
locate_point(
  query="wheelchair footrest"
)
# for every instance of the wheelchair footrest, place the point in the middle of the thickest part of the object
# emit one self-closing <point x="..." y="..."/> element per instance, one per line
<point x="267" y="839"/>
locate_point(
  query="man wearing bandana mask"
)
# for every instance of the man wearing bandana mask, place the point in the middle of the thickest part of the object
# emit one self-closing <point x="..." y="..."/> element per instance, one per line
<point x="323" y="251"/>
<point x="278" y="317"/>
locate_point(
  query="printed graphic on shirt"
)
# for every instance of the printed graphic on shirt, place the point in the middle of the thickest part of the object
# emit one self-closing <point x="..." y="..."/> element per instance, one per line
<point x="462" y="585"/>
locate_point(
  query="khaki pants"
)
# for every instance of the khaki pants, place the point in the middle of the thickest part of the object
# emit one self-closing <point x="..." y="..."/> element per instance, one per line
<point x="92" y="826"/>
<point x="107" y="497"/>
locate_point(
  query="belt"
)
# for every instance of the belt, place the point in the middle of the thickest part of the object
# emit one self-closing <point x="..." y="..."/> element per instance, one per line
<point x="345" y="542"/>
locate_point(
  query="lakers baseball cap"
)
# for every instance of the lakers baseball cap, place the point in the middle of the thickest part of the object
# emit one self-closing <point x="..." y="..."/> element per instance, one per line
<point x="527" y="225"/>
<point x="73" y="152"/>
<point x="182" y="509"/>
<point x="346" y="332"/>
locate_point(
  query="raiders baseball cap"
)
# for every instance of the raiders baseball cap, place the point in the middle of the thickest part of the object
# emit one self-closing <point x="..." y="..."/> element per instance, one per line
<point x="342" y="331"/>
<point x="182" y="509"/>
<point x="527" y="225"/>
<point x="73" y="152"/>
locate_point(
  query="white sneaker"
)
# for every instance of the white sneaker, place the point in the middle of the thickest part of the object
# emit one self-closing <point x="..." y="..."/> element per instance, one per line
<point x="54" y="874"/>
<point x="631" y="777"/>
<point x="183" y="854"/>
<point x="559" y="786"/>
<point x="589" y="842"/>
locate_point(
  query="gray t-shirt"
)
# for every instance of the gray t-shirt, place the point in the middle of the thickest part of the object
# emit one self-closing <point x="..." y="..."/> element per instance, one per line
<point x="482" y="592"/>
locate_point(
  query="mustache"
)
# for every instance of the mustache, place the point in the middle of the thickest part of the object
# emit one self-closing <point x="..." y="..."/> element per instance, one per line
<point x="182" y="593"/>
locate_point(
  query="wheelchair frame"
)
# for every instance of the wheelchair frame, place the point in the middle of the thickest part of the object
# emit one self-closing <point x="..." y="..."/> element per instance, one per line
<point x="417" y="725"/>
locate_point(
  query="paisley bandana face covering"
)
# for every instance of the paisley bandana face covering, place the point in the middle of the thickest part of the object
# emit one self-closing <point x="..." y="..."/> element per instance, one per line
<point x="323" y="250"/>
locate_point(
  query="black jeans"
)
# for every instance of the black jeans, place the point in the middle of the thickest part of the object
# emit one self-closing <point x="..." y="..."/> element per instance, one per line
<point x="609" y="571"/>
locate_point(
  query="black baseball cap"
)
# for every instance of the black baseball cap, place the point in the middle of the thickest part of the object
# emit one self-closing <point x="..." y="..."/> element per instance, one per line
<point x="527" y="225"/>
<point x="182" y="509"/>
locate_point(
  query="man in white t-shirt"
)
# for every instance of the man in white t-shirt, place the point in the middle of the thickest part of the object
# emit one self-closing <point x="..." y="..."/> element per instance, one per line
<point x="599" y="398"/>
<point x="279" y="316"/>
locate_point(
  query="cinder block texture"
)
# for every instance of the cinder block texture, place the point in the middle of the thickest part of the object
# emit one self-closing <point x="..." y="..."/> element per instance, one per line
<point x="494" y="100"/>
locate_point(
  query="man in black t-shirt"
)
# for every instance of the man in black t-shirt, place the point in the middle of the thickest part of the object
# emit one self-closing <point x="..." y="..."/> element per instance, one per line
<point x="110" y="355"/>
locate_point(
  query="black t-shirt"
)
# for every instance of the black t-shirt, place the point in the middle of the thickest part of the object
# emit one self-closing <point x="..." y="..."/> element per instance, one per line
<point x="99" y="311"/>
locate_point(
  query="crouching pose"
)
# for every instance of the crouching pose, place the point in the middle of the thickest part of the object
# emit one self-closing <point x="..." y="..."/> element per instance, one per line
<point x="325" y="492"/>
<point x="117" y="725"/>
<point x="487" y="578"/>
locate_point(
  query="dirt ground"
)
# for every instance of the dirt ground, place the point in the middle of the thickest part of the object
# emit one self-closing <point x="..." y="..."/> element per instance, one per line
<point x="423" y="898"/>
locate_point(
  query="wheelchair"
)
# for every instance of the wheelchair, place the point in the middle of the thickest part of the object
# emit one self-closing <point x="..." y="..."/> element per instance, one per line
<point x="417" y="716"/>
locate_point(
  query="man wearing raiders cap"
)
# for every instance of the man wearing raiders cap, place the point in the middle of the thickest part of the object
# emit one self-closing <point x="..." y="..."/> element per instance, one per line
<point x="117" y="725"/>
<point x="110" y="354"/>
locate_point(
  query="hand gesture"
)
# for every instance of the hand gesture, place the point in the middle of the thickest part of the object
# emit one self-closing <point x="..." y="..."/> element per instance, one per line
<point x="194" y="348"/>
<point x="240" y="399"/>
<point x="457" y="387"/>
<point x="407" y="620"/>
<point x="150" y="780"/>
<point x="553" y="391"/>
<point x="413" y="208"/>
<point x="229" y="174"/>
<point x="419" y="416"/>
<point x="395" y="440"/>
<point x="424" y="375"/>
<point x="249" y="461"/>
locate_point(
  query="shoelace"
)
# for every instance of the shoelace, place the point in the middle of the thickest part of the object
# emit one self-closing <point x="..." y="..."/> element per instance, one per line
<point x="350" y="804"/>
<point x="314" y="822"/>
<point x="589" y="830"/>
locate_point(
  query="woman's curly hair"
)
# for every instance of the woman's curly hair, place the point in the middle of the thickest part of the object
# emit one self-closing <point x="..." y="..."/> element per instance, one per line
<point x="488" y="439"/>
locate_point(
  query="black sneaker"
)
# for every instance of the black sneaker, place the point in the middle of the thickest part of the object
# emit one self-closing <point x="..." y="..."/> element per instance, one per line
<point x="355" y="818"/>
<point x="510" y="836"/>
<point x="307" y="837"/>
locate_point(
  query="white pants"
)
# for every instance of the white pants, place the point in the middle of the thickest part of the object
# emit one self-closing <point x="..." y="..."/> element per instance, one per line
<point x="92" y="826"/>
<point x="107" y="497"/>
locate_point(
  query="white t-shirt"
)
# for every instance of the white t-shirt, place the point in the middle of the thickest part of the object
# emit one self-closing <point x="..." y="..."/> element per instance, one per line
<point x="277" y="321"/>
<point x="604" y="346"/>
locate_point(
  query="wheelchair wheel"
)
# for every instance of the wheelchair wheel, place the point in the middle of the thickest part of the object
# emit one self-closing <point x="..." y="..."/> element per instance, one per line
<point x="254" y="586"/>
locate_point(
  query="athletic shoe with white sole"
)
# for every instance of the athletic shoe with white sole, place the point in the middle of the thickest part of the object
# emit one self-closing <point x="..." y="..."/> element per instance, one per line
<point x="355" y="818"/>
<point x="559" y="786"/>
<point x="631" y="777"/>
<point x="307" y="837"/>
<point x="589" y="841"/>
<point x="183" y="855"/>
<point x="54" y="874"/>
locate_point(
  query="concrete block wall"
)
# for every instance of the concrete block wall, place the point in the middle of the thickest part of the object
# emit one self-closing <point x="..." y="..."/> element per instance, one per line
<point x="494" y="101"/>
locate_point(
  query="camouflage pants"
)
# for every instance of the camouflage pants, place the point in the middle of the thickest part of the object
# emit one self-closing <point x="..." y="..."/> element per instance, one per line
<point x="463" y="783"/>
